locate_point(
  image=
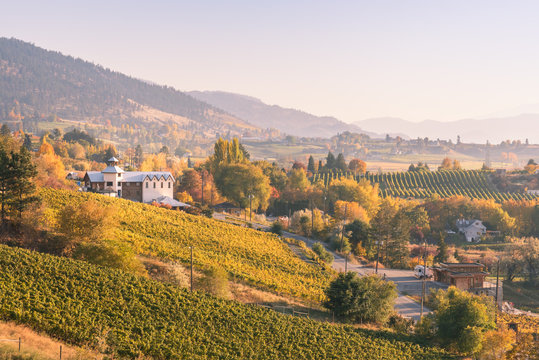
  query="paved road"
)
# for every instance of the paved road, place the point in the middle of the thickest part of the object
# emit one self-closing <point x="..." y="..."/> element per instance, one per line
<point x="405" y="280"/>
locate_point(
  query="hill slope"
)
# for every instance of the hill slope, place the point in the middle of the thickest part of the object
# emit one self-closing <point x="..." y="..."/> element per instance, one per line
<point x="36" y="83"/>
<point x="258" y="258"/>
<point x="495" y="130"/>
<point x="132" y="316"/>
<point x="289" y="121"/>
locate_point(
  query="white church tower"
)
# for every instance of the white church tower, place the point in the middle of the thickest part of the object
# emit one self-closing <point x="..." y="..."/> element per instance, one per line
<point x="113" y="177"/>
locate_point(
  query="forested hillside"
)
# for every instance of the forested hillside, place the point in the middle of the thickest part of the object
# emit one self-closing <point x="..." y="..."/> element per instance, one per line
<point x="37" y="85"/>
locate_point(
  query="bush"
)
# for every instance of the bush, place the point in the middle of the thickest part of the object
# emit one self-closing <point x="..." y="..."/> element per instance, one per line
<point x="400" y="324"/>
<point x="277" y="228"/>
<point x="357" y="299"/>
<point x="215" y="282"/>
<point x="322" y="253"/>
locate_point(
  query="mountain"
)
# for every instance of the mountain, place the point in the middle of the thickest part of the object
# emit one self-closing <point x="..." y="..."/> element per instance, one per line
<point x="290" y="121"/>
<point x="37" y="84"/>
<point x="495" y="130"/>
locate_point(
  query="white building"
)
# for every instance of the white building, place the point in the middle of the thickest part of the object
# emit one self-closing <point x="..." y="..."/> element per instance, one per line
<point x="473" y="230"/>
<point x="141" y="186"/>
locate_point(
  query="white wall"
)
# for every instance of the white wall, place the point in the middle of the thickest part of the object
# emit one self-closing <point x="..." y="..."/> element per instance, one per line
<point x="149" y="194"/>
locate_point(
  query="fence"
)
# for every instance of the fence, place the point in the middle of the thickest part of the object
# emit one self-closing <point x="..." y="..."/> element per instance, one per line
<point x="19" y="340"/>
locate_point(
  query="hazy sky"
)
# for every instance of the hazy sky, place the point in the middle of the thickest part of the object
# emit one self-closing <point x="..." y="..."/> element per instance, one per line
<point x="352" y="59"/>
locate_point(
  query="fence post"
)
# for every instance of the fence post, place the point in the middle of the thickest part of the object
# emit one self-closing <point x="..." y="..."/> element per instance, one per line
<point x="60" y="352"/>
<point x="19" y="344"/>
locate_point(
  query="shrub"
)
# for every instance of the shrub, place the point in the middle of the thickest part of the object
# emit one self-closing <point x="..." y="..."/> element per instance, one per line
<point x="322" y="253"/>
<point x="277" y="228"/>
<point x="357" y="299"/>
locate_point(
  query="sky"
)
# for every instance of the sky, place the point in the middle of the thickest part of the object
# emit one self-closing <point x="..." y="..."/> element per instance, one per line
<point x="442" y="60"/>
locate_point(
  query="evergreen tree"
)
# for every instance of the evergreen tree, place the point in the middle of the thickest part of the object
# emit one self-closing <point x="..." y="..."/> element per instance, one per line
<point x="138" y="154"/>
<point x="340" y="163"/>
<point x="320" y="165"/>
<point x="310" y="166"/>
<point x="330" y="161"/>
<point x="5" y="130"/>
<point x="21" y="184"/>
<point x="27" y="143"/>
<point x="442" y="251"/>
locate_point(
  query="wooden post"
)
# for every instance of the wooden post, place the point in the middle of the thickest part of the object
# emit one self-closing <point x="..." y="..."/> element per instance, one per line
<point x="191" y="268"/>
<point x="60" y="352"/>
<point x="19" y="344"/>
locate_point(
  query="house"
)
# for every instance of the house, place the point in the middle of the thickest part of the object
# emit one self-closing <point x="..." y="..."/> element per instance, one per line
<point x="72" y="175"/>
<point x="464" y="276"/>
<point x="472" y="229"/>
<point x="141" y="186"/>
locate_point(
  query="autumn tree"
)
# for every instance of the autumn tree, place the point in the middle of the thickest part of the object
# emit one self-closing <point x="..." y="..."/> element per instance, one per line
<point x="239" y="181"/>
<point x="357" y="166"/>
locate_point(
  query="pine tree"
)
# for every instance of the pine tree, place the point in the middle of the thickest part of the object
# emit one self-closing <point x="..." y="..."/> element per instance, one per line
<point x="340" y="163"/>
<point x="27" y="143"/>
<point x="442" y="251"/>
<point x="21" y="184"/>
<point x="310" y="166"/>
<point x="330" y="161"/>
<point x="5" y="130"/>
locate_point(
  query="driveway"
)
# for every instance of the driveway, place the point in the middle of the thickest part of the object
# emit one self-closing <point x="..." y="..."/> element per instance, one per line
<point x="406" y="282"/>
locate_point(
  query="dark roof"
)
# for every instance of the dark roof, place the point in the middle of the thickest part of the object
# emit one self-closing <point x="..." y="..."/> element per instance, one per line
<point x="225" y="205"/>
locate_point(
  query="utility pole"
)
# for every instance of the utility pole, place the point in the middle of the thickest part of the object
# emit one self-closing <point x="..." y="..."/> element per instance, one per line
<point x="377" y="254"/>
<point x="191" y="268"/>
<point x="312" y="218"/>
<point x="497" y="282"/>
<point x="202" y="185"/>
<point x="250" y="206"/>
<point x="289" y="215"/>
<point x="343" y="223"/>
<point x="424" y="278"/>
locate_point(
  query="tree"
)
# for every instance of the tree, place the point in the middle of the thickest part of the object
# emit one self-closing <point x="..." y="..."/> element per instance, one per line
<point x="340" y="163"/>
<point x="330" y="161"/>
<point x="5" y="130"/>
<point x="310" y="166"/>
<point x="165" y="150"/>
<point x="460" y="319"/>
<point x="446" y="164"/>
<point x="359" y="235"/>
<point x="357" y="166"/>
<point x="297" y="180"/>
<point x="138" y="155"/>
<point x="16" y="186"/>
<point x="356" y="299"/>
<point x="27" y="143"/>
<point x="496" y="343"/>
<point x="237" y="181"/>
<point x="442" y="255"/>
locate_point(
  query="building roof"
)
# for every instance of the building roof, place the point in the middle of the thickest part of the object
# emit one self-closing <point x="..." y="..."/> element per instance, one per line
<point x="113" y="159"/>
<point x="132" y="176"/>
<point x="112" y="170"/>
<point x="166" y="200"/>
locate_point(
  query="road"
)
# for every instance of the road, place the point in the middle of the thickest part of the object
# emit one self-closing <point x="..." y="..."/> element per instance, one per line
<point x="406" y="282"/>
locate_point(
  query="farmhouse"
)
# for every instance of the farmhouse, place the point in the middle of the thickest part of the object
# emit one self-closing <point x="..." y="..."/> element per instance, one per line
<point x="472" y="229"/>
<point x="141" y="186"/>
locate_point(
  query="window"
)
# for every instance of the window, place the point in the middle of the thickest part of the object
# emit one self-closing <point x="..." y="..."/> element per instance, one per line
<point x="109" y="183"/>
<point x="169" y="184"/>
<point x="146" y="185"/>
<point x="154" y="185"/>
<point x="161" y="185"/>
<point x="119" y="174"/>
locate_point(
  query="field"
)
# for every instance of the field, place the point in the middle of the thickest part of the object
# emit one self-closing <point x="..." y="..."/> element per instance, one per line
<point x="474" y="184"/>
<point x="250" y="256"/>
<point x="130" y="316"/>
<point x="525" y="297"/>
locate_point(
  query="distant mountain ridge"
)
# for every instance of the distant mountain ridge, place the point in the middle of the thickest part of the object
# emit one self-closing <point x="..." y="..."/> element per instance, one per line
<point x="290" y="121"/>
<point x="495" y="130"/>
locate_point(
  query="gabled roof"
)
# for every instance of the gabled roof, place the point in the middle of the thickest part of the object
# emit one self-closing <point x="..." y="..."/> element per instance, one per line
<point x="132" y="176"/>
<point x="139" y="176"/>
<point x="112" y="170"/>
<point x="167" y="200"/>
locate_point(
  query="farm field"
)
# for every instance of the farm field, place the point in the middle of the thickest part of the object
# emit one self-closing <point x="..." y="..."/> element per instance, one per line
<point x="445" y="183"/>
<point x="132" y="316"/>
<point x="253" y="257"/>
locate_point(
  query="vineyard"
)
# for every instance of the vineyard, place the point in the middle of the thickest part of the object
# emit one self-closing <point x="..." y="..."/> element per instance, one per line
<point x="257" y="258"/>
<point x="474" y="184"/>
<point x="525" y="323"/>
<point x="131" y="316"/>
